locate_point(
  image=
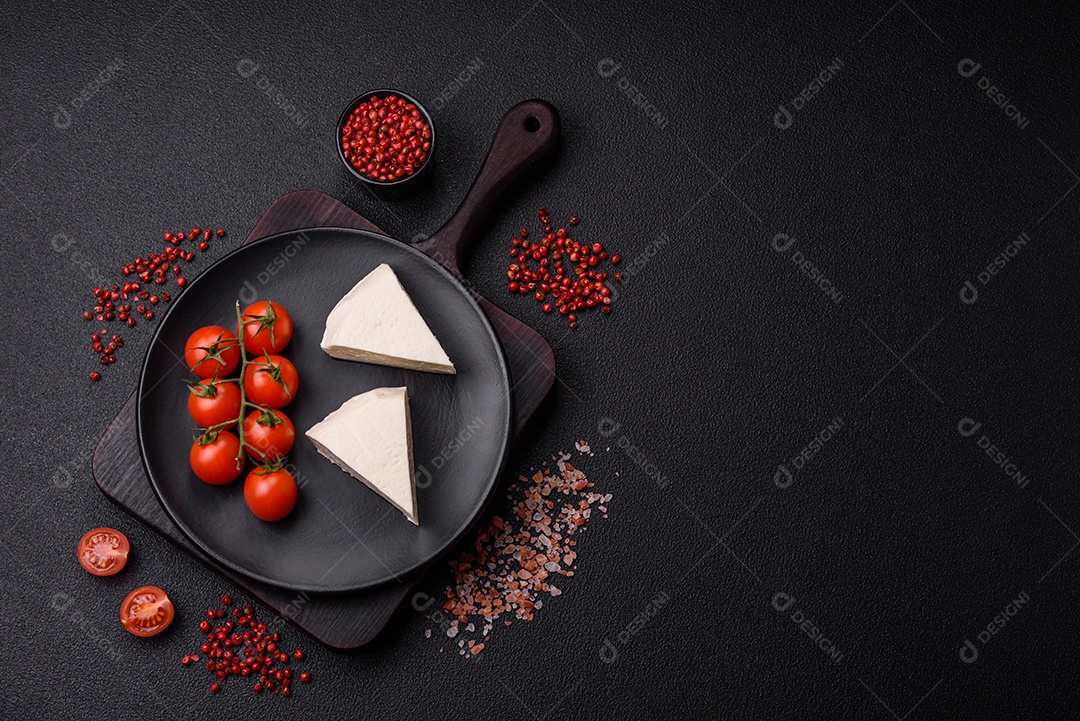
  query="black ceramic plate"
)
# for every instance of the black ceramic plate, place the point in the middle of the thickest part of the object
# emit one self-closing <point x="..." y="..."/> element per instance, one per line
<point x="341" y="536"/>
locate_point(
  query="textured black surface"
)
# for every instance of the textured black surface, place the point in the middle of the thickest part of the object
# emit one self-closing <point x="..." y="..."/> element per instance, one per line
<point x="899" y="180"/>
<point x="341" y="536"/>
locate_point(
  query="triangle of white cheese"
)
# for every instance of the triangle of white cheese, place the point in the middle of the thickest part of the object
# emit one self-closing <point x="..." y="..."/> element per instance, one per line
<point x="376" y="322"/>
<point x="370" y="437"/>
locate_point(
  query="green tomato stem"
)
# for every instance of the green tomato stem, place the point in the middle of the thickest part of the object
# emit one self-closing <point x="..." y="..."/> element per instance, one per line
<point x="243" y="397"/>
<point x="244" y="405"/>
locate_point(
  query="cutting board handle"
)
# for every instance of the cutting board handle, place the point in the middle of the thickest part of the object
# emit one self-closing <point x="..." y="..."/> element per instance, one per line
<point x="527" y="134"/>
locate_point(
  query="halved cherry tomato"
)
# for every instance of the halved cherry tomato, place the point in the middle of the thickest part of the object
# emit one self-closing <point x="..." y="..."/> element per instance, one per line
<point x="146" y="611"/>
<point x="272" y="383"/>
<point x="211" y="403"/>
<point x="267" y="327"/>
<point x="271" y="433"/>
<point x="212" y="350"/>
<point x="103" y="551"/>
<point x="213" y="457"/>
<point x="270" y="495"/>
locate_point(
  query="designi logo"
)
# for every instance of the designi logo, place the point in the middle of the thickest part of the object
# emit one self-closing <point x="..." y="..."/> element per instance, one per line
<point x="784" y="118"/>
<point x="782" y="602"/>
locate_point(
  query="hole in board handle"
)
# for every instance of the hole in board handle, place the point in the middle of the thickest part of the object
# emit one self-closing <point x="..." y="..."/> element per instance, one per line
<point x="532" y="124"/>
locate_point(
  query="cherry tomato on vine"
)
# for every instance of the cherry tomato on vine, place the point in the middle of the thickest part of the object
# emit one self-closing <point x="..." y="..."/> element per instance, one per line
<point x="146" y="611"/>
<point x="103" y="551"/>
<point x="211" y="403"/>
<point x="271" y="433"/>
<point x="272" y="383"/>
<point x="213" y="457"/>
<point x="212" y="350"/>
<point x="267" y="327"/>
<point x="270" y="495"/>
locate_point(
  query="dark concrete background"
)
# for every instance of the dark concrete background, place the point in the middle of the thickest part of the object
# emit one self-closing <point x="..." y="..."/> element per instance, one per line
<point x="899" y="180"/>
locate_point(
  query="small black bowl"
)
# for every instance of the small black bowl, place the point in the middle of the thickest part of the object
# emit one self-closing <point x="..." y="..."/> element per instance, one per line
<point x="396" y="189"/>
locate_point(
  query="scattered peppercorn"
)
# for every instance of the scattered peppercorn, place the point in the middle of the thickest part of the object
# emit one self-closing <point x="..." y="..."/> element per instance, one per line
<point x="566" y="270"/>
<point x="109" y="302"/>
<point x="244" y="647"/>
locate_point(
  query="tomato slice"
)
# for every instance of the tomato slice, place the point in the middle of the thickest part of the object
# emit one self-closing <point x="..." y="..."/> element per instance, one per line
<point x="146" y="611"/>
<point x="103" y="551"/>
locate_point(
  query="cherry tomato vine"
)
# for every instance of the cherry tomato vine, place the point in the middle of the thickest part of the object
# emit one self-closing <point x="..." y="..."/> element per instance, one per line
<point x="268" y="461"/>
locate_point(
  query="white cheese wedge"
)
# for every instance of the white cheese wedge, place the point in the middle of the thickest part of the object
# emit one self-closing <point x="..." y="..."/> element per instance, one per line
<point x="370" y="437"/>
<point x="376" y="322"/>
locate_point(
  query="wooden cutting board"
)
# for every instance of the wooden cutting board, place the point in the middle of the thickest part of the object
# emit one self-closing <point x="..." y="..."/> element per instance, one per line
<point x="341" y="621"/>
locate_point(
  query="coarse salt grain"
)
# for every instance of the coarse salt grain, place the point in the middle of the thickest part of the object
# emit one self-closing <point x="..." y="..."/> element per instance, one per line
<point x="515" y="558"/>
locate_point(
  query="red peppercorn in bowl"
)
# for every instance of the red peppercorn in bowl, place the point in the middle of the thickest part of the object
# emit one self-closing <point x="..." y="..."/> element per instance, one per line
<point x="386" y="139"/>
